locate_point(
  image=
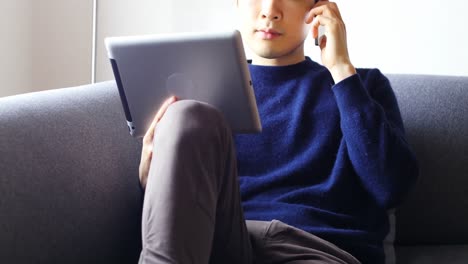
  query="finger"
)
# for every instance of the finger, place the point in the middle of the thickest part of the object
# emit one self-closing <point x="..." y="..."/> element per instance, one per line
<point x="314" y="11"/>
<point x="332" y="8"/>
<point x="164" y="107"/>
<point x="335" y="10"/>
<point x="319" y="21"/>
<point x="143" y="173"/>
<point x="325" y="8"/>
<point x="158" y="116"/>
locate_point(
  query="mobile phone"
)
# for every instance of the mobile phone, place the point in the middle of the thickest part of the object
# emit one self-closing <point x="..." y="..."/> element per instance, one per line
<point x="321" y="32"/>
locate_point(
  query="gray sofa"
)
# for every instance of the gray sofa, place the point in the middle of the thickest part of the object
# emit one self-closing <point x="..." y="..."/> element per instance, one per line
<point x="69" y="190"/>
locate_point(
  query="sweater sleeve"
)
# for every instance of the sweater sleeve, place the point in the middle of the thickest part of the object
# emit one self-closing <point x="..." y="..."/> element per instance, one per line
<point x="374" y="134"/>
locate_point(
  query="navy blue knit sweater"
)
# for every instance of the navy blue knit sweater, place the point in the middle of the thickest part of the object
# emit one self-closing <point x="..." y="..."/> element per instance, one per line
<point x="331" y="159"/>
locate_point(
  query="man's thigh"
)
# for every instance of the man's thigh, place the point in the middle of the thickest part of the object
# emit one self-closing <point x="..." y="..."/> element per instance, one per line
<point x="277" y="242"/>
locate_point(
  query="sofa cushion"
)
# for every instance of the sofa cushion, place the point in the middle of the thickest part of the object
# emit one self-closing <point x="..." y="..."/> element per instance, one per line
<point x="454" y="254"/>
<point x="68" y="178"/>
<point x="435" y="114"/>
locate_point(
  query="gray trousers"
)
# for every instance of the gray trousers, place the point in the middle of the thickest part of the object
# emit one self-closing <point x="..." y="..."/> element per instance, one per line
<point x="192" y="208"/>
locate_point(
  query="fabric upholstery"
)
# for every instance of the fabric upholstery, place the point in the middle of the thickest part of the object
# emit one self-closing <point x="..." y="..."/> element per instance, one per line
<point x="435" y="113"/>
<point x="69" y="188"/>
<point x="453" y="254"/>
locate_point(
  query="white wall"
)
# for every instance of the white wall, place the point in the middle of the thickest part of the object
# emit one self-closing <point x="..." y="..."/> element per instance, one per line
<point x="123" y="17"/>
<point x="47" y="44"/>
<point x="62" y="43"/>
<point x="400" y="36"/>
<point x="44" y="44"/>
<point x="15" y="35"/>
<point x="397" y="36"/>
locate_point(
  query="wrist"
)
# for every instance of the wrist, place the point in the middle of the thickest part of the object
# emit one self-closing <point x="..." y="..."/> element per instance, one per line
<point x="340" y="72"/>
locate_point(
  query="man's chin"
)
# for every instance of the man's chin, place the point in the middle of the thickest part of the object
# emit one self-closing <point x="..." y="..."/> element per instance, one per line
<point x="267" y="53"/>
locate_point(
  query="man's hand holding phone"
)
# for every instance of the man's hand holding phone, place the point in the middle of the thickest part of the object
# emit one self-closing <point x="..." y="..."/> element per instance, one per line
<point x="333" y="44"/>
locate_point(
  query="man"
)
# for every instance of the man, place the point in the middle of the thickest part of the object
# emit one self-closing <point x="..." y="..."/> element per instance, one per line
<point x="315" y="185"/>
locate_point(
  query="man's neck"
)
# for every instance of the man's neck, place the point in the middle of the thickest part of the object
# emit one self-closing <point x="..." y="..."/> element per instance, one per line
<point x="283" y="61"/>
<point x="296" y="56"/>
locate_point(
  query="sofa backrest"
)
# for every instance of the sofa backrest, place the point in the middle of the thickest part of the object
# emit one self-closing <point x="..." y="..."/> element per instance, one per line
<point x="69" y="187"/>
<point x="69" y="172"/>
<point x="435" y="114"/>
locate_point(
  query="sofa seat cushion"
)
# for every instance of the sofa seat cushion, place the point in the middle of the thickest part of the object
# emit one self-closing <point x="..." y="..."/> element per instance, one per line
<point x="453" y="254"/>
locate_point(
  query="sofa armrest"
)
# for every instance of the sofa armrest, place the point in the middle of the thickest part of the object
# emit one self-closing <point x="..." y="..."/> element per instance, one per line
<point x="435" y="114"/>
<point x="69" y="188"/>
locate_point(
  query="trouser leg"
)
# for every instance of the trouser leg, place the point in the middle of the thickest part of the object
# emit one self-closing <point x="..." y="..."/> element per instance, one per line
<point x="276" y="242"/>
<point x="192" y="211"/>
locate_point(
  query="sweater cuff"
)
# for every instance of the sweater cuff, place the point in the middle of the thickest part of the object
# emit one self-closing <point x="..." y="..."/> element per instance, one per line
<point x="350" y="93"/>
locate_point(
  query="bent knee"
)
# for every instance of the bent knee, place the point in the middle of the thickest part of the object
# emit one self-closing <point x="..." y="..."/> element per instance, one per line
<point x="192" y="118"/>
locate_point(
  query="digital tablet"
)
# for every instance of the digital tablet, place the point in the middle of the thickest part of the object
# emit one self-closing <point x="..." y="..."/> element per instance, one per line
<point x="208" y="67"/>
